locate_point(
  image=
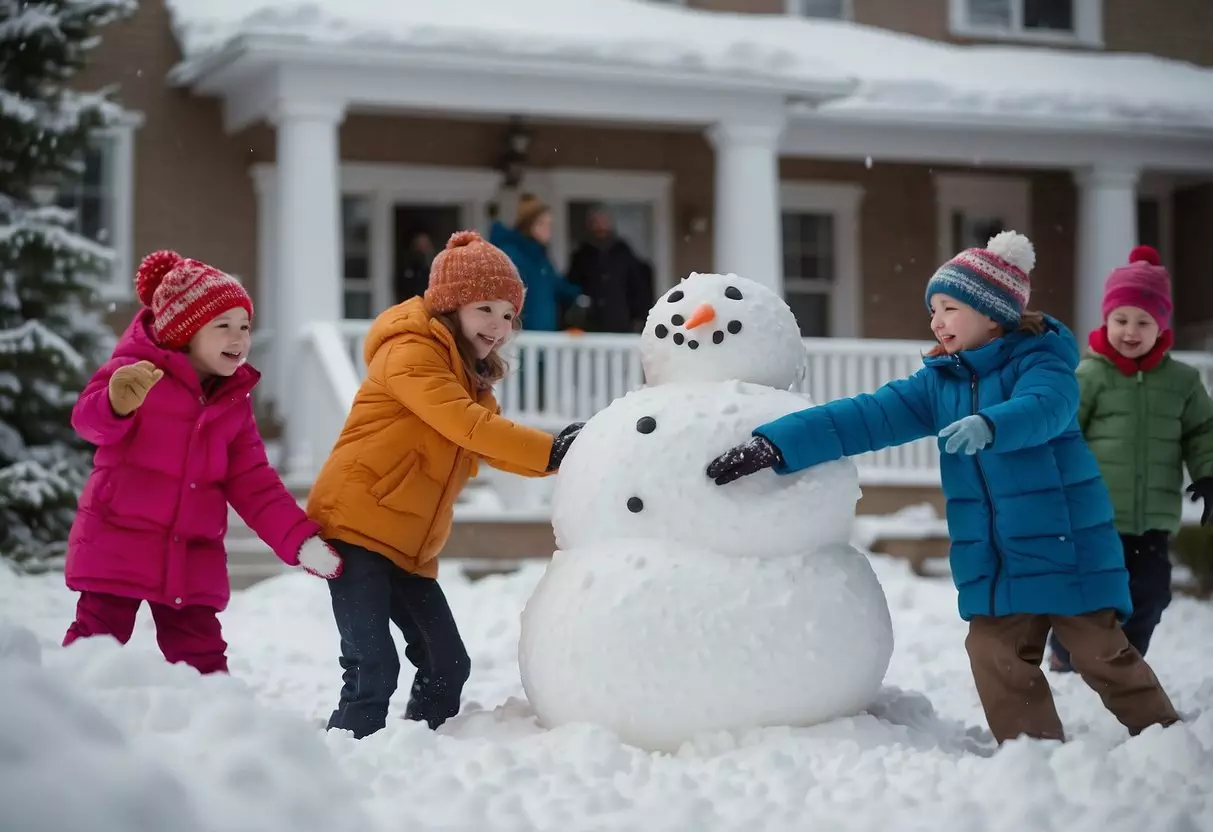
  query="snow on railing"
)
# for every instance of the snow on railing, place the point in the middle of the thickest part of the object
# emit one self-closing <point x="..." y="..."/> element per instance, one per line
<point x="557" y="378"/>
<point x="318" y="400"/>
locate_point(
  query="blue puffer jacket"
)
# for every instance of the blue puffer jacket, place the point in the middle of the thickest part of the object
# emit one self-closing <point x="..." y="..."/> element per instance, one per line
<point x="545" y="287"/>
<point x="1030" y="518"/>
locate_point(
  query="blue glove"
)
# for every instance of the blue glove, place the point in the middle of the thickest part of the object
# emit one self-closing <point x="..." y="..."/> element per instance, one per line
<point x="970" y="434"/>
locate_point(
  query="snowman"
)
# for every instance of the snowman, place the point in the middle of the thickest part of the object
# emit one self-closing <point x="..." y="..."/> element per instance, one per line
<point x="673" y="607"/>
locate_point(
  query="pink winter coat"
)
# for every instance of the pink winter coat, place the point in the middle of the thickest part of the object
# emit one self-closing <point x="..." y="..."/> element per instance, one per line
<point x="153" y="514"/>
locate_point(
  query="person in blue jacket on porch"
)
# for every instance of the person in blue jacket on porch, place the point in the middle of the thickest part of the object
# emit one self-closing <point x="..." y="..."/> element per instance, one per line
<point x="1033" y="541"/>
<point x="547" y="290"/>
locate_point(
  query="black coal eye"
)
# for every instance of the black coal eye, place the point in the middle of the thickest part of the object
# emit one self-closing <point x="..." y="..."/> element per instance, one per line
<point x="635" y="505"/>
<point x="732" y="293"/>
<point x="675" y="296"/>
<point x="677" y="320"/>
<point x="646" y="424"/>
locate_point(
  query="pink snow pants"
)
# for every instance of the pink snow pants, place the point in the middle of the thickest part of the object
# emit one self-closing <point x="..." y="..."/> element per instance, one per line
<point x="190" y="634"/>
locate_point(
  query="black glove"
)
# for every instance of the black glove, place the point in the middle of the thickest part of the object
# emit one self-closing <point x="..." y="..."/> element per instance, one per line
<point x="562" y="443"/>
<point x="1203" y="490"/>
<point x="744" y="460"/>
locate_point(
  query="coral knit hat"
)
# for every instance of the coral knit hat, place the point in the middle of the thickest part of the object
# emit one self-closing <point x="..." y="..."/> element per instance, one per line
<point x="185" y="295"/>
<point x="1143" y="283"/>
<point x="469" y="270"/>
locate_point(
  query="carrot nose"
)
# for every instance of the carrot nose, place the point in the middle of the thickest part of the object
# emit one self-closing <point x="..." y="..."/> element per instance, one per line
<point x="704" y="313"/>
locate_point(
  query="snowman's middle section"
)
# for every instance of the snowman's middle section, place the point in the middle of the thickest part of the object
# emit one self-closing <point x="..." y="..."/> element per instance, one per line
<point x="638" y="471"/>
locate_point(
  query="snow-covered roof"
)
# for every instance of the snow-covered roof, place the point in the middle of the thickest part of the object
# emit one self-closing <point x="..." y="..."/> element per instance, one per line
<point x="893" y="72"/>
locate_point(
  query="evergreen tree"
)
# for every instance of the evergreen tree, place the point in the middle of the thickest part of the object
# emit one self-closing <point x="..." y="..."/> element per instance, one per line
<point x="51" y="335"/>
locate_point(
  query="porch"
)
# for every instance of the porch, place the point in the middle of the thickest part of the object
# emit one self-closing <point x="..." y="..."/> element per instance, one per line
<point x="589" y="371"/>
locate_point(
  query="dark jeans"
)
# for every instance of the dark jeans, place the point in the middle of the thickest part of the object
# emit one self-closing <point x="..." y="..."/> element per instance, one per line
<point x="371" y="593"/>
<point x="1148" y="561"/>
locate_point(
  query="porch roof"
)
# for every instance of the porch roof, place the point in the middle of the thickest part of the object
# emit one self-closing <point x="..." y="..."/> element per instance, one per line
<point x="848" y="70"/>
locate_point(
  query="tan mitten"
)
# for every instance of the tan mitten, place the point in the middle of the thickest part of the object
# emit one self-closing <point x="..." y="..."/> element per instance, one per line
<point x="129" y="385"/>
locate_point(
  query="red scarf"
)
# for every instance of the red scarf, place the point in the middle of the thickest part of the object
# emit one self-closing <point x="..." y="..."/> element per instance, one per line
<point x="1099" y="344"/>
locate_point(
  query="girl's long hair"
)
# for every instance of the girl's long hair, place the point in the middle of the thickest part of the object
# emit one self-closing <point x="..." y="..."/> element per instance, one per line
<point x="1030" y="321"/>
<point x="487" y="371"/>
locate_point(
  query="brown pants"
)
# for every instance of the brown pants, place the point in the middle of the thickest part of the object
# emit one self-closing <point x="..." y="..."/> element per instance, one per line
<point x="1005" y="654"/>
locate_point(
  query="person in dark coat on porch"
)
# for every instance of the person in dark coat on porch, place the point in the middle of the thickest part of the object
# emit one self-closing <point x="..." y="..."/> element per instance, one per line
<point x="618" y="283"/>
<point x="526" y="244"/>
<point x="413" y="268"/>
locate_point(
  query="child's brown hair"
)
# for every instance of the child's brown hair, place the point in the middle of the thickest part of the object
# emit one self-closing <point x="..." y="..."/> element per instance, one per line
<point x="486" y="371"/>
<point x="1030" y="321"/>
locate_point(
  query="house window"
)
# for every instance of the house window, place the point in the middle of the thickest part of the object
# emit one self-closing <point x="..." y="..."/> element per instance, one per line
<point x="102" y="200"/>
<point x="1041" y="20"/>
<point x="822" y="9"/>
<point x="819" y="234"/>
<point x="359" y="301"/>
<point x="809" y="269"/>
<point x="972" y="209"/>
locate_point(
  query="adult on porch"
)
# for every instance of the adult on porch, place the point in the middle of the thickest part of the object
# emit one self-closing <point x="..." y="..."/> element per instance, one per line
<point x="526" y="245"/>
<point x="618" y="282"/>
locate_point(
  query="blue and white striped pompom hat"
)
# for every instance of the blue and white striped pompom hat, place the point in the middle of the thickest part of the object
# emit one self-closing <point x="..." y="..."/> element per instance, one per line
<point x="993" y="280"/>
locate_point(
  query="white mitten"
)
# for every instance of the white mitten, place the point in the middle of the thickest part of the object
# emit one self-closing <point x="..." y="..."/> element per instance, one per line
<point x="318" y="558"/>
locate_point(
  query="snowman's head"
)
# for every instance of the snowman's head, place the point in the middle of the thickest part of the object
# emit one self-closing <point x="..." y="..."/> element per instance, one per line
<point x="721" y="327"/>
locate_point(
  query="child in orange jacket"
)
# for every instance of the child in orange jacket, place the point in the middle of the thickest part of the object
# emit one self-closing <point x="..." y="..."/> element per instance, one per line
<point x="421" y="422"/>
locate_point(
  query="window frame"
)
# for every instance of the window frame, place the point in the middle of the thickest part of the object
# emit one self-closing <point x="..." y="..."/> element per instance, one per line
<point x="841" y="200"/>
<point x="1088" y="25"/>
<point x="118" y="154"/>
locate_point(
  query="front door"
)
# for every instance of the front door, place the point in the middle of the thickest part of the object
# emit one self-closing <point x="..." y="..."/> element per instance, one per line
<point x="418" y="233"/>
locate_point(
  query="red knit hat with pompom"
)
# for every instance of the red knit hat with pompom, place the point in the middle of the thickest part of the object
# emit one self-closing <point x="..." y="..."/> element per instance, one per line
<point x="1143" y="283"/>
<point x="185" y="295"/>
<point x="469" y="270"/>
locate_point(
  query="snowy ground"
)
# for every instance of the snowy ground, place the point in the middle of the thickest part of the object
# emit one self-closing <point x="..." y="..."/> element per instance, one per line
<point x="106" y="739"/>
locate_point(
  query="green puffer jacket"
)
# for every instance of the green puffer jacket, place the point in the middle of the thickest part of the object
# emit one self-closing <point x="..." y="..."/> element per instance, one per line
<point x="1145" y="420"/>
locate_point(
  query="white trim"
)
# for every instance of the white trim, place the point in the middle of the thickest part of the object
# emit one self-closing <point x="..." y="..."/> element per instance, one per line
<point x="989" y="139"/>
<point x="560" y="186"/>
<point x="1008" y="196"/>
<point x="1088" y="25"/>
<point x="795" y="8"/>
<point x="253" y="76"/>
<point x="118" y="149"/>
<point x="842" y="201"/>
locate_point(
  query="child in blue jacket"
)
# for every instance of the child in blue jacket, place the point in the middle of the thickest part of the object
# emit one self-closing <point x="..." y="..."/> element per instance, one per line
<point x="1033" y="541"/>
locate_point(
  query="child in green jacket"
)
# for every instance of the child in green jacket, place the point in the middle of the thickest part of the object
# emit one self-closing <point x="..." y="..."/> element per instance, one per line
<point x="1145" y="415"/>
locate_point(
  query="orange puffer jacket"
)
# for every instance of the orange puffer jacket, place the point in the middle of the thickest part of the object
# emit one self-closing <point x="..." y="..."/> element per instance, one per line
<point x="414" y="436"/>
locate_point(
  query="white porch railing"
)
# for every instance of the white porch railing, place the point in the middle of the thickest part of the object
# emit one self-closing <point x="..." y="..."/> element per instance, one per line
<point x="558" y="378"/>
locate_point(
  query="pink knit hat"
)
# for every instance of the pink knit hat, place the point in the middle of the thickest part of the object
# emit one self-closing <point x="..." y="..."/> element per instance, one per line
<point x="1143" y="283"/>
<point x="185" y="295"/>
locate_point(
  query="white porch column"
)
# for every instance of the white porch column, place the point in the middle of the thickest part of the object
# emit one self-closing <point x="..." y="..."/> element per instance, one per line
<point x="1107" y="231"/>
<point x="268" y="314"/>
<point x="746" y="227"/>
<point x="308" y="254"/>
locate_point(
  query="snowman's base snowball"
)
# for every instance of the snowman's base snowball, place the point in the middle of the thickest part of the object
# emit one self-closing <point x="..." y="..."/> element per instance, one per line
<point x="660" y="643"/>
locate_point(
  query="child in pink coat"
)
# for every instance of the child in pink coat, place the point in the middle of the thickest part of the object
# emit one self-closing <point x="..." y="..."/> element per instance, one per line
<point x="176" y="441"/>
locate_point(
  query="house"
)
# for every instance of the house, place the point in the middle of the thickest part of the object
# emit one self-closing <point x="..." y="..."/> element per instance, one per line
<point x="835" y="149"/>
